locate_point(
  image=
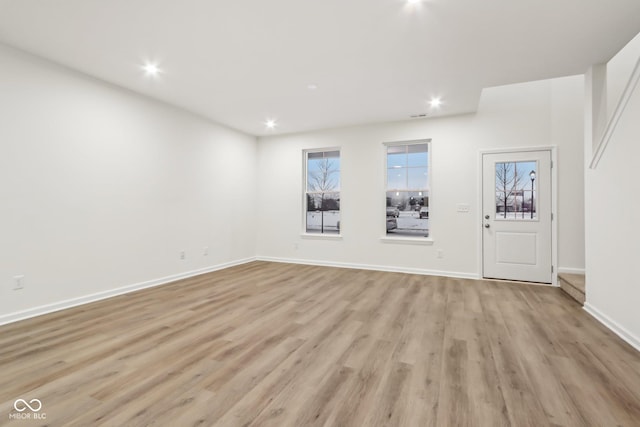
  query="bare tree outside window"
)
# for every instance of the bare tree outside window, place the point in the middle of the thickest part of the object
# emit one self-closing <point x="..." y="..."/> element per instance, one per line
<point x="512" y="189"/>
<point x="504" y="184"/>
<point x="323" y="192"/>
<point x="324" y="180"/>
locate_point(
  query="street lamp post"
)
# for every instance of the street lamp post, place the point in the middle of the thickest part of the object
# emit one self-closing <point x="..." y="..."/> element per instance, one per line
<point x="533" y="178"/>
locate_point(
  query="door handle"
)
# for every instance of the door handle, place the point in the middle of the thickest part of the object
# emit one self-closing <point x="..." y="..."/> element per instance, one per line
<point x="487" y="226"/>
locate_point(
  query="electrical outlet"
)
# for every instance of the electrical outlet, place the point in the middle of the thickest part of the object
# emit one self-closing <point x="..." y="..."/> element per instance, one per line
<point x="18" y="282"/>
<point x="183" y="255"/>
<point x="205" y="252"/>
<point x="440" y="253"/>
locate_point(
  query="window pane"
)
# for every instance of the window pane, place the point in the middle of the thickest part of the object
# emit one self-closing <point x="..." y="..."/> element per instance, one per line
<point x="323" y="201"/>
<point x="524" y="170"/>
<point x="407" y="204"/>
<point x="323" y="213"/>
<point x="407" y="213"/>
<point x="323" y="192"/>
<point x="515" y="190"/>
<point x="397" y="179"/>
<point x="417" y="155"/>
<point x="417" y="148"/>
<point x="323" y="173"/>
<point x="407" y="200"/>
<point x="394" y="149"/>
<point x="418" y="178"/>
<point x="396" y="160"/>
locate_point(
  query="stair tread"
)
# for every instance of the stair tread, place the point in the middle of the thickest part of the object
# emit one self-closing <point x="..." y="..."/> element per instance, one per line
<point x="576" y="281"/>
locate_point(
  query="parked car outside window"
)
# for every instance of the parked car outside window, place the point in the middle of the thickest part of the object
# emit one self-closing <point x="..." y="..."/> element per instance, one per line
<point x="394" y="212"/>
<point x="392" y="224"/>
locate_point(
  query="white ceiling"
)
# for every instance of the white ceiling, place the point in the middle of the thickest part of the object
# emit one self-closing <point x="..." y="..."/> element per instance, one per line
<point x="241" y="62"/>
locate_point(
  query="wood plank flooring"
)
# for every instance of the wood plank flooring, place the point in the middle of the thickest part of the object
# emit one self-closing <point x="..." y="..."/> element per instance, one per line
<point x="267" y="344"/>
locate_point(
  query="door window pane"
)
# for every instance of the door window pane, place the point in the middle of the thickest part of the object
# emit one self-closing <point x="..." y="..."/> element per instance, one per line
<point x="516" y="190"/>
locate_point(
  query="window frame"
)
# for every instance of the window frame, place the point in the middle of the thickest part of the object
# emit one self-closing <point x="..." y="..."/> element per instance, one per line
<point x="383" y="224"/>
<point x="305" y="164"/>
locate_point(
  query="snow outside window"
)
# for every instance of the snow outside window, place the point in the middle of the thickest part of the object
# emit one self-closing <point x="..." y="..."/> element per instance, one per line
<point x="322" y="192"/>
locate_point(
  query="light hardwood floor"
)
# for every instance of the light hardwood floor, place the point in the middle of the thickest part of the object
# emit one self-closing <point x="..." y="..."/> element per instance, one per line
<point x="268" y="344"/>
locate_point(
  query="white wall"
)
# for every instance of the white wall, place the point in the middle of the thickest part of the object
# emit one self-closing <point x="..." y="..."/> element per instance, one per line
<point x="567" y="127"/>
<point x="612" y="230"/>
<point x="619" y="70"/>
<point x="101" y="188"/>
<point x="524" y="115"/>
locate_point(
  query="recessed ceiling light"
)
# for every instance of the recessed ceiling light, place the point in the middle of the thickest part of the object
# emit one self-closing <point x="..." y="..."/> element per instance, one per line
<point x="151" y="69"/>
<point x="435" y="102"/>
<point x="312" y="86"/>
<point x="270" y="124"/>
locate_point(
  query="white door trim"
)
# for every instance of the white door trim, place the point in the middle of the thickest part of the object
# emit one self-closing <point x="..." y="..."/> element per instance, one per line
<point x="554" y="204"/>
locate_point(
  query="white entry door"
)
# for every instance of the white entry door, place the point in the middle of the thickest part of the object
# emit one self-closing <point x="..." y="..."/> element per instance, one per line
<point x="516" y="202"/>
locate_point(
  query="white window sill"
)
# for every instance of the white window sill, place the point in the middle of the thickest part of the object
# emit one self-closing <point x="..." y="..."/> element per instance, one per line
<point x="426" y="241"/>
<point x="321" y="236"/>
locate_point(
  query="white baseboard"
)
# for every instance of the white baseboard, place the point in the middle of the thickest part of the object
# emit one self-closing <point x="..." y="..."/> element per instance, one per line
<point x="371" y="267"/>
<point x="570" y="270"/>
<point x="614" y="326"/>
<point x="61" y="305"/>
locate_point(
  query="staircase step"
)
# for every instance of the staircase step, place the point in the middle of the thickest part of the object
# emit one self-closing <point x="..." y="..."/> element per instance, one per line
<point x="573" y="285"/>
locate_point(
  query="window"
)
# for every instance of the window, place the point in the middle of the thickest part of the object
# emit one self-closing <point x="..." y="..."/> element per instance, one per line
<point x="515" y="190"/>
<point x="322" y="192"/>
<point x="407" y="189"/>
